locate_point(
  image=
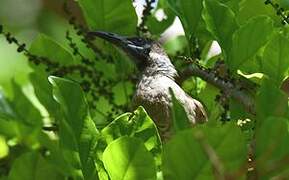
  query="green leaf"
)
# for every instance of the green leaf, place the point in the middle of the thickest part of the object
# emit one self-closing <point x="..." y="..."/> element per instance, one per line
<point x="127" y="158"/>
<point x="156" y="26"/>
<point x="233" y="4"/>
<point x="46" y="47"/>
<point x="221" y="22"/>
<point x="272" y="147"/>
<point x="110" y="15"/>
<point x="122" y="91"/>
<point x="275" y="62"/>
<point x="8" y="118"/>
<point x="57" y="156"/>
<point x="32" y="166"/>
<point x="180" y="118"/>
<point x="19" y="119"/>
<point x="138" y="124"/>
<point x="248" y="40"/>
<point x="271" y="101"/>
<point x="190" y="154"/>
<point x="208" y="96"/>
<point x="189" y="12"/>
<point x="77" y="130"/>
<point x="43" y="92"/>
<point x="4" y="148"/>
<point x="24" y="109"/>
<point x="8" y="128"/>
<point x="253" y="8"/>
<point x="6" y="111"/>
<point x="175" y="45"/>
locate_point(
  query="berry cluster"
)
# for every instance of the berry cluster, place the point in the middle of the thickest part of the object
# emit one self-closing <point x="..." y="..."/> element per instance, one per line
<point x="145" y="14"/>
<point x="279" y="11"/>
<point x="85" y="73"/>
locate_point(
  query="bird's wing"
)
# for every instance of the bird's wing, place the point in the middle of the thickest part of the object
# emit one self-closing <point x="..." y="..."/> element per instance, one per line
<point x="201" y="115"/>
<point x="195" y="110"/>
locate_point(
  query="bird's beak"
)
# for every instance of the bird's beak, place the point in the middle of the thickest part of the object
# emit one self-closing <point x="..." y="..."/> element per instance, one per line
<point x="133" y="50"/>
<point x="115" y="39"/>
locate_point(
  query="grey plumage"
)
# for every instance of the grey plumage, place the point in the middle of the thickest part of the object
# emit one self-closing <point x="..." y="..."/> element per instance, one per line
<point x="153" y="92"/>
<point x="157" y="76"/>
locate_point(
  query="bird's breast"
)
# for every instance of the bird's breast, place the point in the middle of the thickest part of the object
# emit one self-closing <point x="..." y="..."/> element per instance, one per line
<point x="153" y="94"/>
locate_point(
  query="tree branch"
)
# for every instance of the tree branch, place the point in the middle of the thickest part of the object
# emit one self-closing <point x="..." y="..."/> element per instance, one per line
<point x="229" y="88"/>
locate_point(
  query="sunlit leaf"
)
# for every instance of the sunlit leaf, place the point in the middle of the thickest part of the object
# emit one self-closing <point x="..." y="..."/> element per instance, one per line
<point x="43" y="92"/>
<point x="4" y="149"/>
<point x="127" y="158"/>
<point x="77" y="130"/>
<point x="138" y="124"/>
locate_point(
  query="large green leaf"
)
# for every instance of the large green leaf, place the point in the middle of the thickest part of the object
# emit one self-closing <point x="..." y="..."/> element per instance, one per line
<point x="221" y="22"/>
<point x="128" y="159"/>
<point x="33" y="166"/>
<point x="138" y="124"/>
<point x="233" y="4"/>
<point x="271" y="101"/>
<point x="56" y="156"/>
<point x="110" y="15"/>
<point x="43" y="92"/>
<point x="275" y="62"/>
<point x="248" y="40"/>
<point x="46" y="47"/>
<point x="272" y="147"/>
<point x="192" y="154"/>
<point x="253" y="8"/>
<point x="189" y="12"/>
<point x="77" y="130"/>
<point x="24" y="109"/>
<point x="19" y="118"/>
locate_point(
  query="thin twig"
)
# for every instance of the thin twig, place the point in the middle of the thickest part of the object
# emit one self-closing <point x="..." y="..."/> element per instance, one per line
<point x="217" y="165"/>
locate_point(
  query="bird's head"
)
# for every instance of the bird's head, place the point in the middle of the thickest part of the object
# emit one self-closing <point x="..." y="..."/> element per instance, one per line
<point x="135" y="47"/>
<point x="146" y="53"/>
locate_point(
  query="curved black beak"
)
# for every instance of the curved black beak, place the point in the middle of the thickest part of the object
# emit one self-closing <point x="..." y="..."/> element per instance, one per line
<point x="110" y="37"/>
<point x="134" y="49"/>
<point x="115" y="39"/>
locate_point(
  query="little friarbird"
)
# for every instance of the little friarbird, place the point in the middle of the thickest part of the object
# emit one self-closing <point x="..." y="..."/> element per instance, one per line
<point x="157" y="77"/>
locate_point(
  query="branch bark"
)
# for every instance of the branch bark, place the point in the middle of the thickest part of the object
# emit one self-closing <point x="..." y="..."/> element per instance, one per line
<point x="229" y="88"/>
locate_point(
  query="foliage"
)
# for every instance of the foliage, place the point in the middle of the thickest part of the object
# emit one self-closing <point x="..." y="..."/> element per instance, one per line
<point x="75" y="124"/>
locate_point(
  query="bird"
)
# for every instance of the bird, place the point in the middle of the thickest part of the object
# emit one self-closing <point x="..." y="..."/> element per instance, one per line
<point x="157" y="77"/>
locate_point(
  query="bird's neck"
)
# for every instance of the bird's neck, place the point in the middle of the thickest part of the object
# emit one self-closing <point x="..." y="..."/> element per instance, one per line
<point x="160" y="64"/>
